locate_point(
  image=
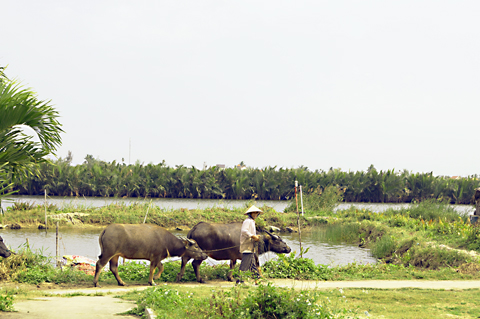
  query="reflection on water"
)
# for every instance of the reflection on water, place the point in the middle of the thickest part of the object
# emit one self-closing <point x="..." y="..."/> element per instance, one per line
<point x="84" y="242"/>
<point x="328" y="253"/>
<point x="74" y="241"/>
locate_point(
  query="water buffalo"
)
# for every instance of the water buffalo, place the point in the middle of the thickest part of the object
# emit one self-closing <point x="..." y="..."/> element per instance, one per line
<point x="142" y="241"/>
<point x="4" y="252"/>
<point x="222" y="242"/>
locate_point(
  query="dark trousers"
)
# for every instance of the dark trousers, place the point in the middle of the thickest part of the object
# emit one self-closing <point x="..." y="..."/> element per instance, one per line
<point x="249" y="263"/>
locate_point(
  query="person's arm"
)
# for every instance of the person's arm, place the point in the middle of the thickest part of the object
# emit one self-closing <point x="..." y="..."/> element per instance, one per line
<point x="247" y="227"/>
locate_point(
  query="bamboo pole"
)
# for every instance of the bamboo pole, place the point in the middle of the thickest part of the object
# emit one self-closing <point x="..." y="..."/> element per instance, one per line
<point x="145" y="219"/>
<point x="57" y="248"/>
<point x="301" y="198"/>
<point x="45" y="210"/>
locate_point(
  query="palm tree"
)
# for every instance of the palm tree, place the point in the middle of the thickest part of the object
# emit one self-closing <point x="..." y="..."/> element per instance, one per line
<point x="19" y="154"/>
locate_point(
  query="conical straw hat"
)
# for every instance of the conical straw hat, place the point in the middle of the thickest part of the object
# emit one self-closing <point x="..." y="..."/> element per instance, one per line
<point x="254" y="209"/>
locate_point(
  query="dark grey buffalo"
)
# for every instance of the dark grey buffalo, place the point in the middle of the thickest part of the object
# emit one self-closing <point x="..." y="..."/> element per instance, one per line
<point x="222" y="242"/>
<point x="4" y="252"/>
<point x="142" y="241"/>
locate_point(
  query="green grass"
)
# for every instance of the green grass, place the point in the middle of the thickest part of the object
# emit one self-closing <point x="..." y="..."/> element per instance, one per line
<point x="177" y="301"/>
<point x="413" y="303"/>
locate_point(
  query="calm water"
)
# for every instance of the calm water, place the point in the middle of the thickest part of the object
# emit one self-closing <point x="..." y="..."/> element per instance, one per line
<point x="172" y="203"/>
<point x="84" y="242"/>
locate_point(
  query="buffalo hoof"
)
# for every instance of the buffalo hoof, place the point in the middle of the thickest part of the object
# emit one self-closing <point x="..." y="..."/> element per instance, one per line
<point x="97" y="285"/>
<point x="152" y="284"/>
<point x="121" y="284"/>
<point x="202" y="281"/>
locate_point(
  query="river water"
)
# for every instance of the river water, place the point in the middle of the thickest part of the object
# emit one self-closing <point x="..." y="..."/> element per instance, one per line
<point x="84" y="242"/>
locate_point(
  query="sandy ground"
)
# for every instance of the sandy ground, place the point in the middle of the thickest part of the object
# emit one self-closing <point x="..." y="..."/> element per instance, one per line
<point x="107" y="306"/>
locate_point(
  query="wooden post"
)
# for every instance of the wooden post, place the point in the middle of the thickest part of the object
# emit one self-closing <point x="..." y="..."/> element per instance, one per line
<point x="56" y="255"/>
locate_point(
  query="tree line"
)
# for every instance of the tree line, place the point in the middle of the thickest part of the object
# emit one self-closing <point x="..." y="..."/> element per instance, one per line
<point x="98" y="178"/>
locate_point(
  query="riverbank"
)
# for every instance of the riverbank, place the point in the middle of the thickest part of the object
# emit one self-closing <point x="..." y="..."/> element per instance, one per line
<point x="34" y="216"/>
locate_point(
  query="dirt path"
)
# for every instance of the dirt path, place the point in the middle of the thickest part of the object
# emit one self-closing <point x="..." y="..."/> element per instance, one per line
<point x="79" y="307"/>
<point x="107" y="306"/>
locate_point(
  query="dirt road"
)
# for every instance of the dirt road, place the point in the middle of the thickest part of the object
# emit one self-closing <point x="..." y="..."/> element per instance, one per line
<point x="107" y="306"/>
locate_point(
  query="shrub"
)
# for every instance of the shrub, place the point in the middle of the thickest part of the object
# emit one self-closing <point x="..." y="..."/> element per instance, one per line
<point x="318" y="200"/>
<point x="6" y="301"/>
<point x="431" y="209"/>
<point x="287" y="266"/>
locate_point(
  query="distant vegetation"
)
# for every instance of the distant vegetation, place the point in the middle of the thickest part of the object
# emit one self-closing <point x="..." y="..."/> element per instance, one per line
<point x="98" y="178"/>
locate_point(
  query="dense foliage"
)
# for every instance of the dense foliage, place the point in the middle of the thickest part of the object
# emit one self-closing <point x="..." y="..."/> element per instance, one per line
<point x="98" y="178"/>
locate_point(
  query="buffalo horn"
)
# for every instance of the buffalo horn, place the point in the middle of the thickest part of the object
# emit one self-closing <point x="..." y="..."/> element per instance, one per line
<point x="274" y="236"/>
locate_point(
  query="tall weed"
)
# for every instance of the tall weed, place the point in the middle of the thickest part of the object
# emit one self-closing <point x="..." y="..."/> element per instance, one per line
<point x="430" y="209"/>
<point x="318" y="200"/>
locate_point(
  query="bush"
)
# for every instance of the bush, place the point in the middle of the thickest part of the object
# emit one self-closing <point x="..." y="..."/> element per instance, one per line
<point x="272" y="302"/>
<point x="383" y="247"/>
<point x="318" y="200"/>
<point x="6" y="301"/>
<point x="431" y="210"/>
<point x="287" y="266"/>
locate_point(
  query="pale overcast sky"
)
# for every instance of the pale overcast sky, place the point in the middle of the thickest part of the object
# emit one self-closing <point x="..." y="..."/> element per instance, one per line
<point x="322" y="84"/>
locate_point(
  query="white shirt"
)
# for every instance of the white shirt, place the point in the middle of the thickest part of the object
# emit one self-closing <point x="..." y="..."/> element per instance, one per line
<point x="248" y="230"/>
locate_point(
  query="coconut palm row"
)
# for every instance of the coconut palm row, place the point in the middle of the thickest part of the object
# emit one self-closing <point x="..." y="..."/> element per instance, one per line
<point x="98" y="178"/>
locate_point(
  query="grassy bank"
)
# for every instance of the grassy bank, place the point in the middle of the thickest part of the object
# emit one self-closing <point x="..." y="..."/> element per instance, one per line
<point x="27" y="215"/>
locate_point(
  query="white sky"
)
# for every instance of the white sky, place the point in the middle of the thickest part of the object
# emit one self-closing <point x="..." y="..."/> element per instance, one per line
<point x="322" y="84"/>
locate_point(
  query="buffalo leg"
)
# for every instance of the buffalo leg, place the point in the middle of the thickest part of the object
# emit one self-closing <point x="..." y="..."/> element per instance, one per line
<point x="160" y="271"/>
<point x="114" y="270"/>
<point x="98" y="268"/>
<point x="182" y="270"/>
<point x="232" y="265"/>
<point x="196" y="269"/>
<point x="153" y="265"/>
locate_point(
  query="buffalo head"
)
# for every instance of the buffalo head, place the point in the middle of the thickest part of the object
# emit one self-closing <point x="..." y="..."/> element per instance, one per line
<point x="4" y="252"/>
<point x="192" y="249"/>
<point x="275" y="243"/>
